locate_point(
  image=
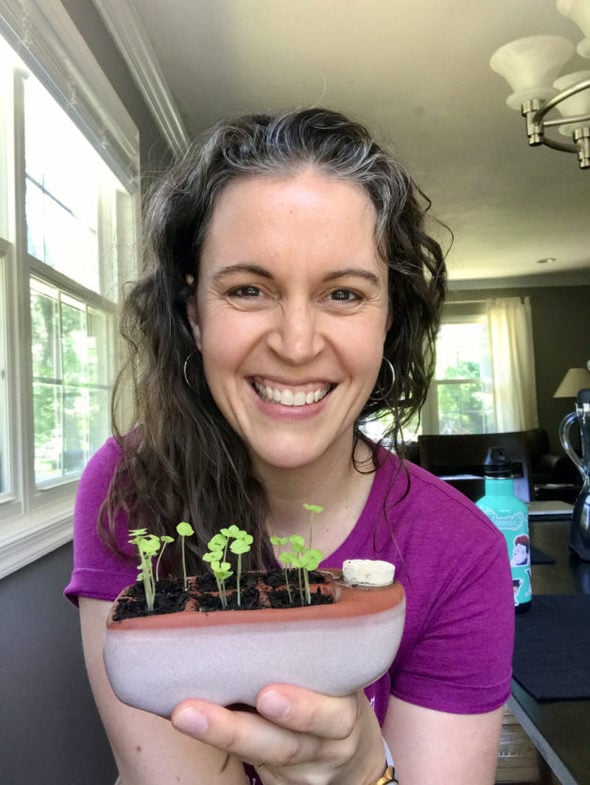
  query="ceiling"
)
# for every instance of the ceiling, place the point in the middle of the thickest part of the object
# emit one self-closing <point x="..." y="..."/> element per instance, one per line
<point x="416" y="71"/>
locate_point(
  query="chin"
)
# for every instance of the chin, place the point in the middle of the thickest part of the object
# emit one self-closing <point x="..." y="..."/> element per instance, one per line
<point x="291" y="456"/>
<point x="288" y="462"/>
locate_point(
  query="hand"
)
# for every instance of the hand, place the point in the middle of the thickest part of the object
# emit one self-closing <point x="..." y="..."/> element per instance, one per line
<point x="296" y="737"/>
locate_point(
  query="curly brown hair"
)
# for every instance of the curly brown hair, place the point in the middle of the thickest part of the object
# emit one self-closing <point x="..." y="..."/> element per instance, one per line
<point x="181" y="460"/>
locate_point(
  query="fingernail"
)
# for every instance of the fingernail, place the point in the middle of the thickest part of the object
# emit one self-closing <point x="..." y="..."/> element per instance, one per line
<point x="274" y="705"/>
<point x="191" y="721"/>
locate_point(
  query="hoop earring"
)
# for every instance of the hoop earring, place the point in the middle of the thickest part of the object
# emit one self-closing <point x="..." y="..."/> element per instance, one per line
<point x="379" y="395"/>
<point x="185" y="370"/>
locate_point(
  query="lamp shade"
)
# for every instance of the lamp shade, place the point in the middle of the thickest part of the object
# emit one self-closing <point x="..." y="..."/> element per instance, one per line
<point x="579" y="12"/>
<point x="578" y="104"/>
<point x="575" y="379"/>
<point x="530" y="66"/>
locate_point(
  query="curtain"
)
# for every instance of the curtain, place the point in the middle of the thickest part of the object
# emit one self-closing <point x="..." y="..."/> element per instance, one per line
<point x="513" y="362"/>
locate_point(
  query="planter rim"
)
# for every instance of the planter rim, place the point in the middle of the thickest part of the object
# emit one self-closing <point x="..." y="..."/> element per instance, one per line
<point x="349" y="601"/>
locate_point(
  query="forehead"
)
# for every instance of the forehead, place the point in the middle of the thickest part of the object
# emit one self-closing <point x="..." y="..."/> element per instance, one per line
<point x="330" y="209"/>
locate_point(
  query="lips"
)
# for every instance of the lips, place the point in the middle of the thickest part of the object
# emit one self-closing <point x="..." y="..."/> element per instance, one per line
<point x="287" y="396"/>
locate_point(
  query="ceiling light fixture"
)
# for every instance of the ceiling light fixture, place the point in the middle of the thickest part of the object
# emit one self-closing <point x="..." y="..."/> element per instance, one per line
<point x="531" y="67"/>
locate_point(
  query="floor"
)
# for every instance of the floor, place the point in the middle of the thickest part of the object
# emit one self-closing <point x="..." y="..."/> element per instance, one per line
<point x="519" y="763"/>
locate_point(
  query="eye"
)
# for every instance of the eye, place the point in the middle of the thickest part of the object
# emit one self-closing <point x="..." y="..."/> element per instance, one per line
<point x="245" y="292"/>
<point x="344" y="295"/>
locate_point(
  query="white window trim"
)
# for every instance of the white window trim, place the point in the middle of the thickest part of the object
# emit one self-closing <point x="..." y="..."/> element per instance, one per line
<point x="58" y="55"/>
<point x="27" y="538"/>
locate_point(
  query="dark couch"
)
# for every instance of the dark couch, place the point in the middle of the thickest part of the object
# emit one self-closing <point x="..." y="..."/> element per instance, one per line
<point x="539" y="473"/>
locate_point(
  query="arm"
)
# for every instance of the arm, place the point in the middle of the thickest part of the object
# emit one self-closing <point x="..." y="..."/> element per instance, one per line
<point x="437" y="748"/>
<point x="147" y="749"/>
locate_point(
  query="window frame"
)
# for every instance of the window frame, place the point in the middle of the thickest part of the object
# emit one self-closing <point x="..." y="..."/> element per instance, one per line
<point x="36" y="520"/>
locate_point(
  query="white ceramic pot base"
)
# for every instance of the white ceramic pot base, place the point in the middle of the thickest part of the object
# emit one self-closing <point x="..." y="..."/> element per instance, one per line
<point x="156" y="669"/>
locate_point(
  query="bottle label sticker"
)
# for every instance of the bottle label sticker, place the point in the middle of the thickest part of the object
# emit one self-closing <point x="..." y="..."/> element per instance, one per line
<point x="519" y="550"/>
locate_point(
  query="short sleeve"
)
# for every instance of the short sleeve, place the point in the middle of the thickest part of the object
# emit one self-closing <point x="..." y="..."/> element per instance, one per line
<point x="461" y="661"/>
<point x="99" y="570"/>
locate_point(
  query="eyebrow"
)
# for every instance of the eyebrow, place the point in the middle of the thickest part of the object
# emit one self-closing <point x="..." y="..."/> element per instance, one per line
<point x="354" y="272"/>
<point x="231" y="269"/>
<point x="254" y="269"/>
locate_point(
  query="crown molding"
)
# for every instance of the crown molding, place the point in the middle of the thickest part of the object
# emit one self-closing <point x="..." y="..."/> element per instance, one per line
<point x="566" y="278"/>
<point x="129" y="34"/>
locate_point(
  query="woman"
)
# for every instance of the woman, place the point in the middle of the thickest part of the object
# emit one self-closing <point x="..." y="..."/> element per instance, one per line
<point x="291" y="291"/>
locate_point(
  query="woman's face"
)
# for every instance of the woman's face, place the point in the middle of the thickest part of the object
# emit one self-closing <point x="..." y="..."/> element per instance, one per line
<point x="291" y="313"/>
<point x="520" y="554"/>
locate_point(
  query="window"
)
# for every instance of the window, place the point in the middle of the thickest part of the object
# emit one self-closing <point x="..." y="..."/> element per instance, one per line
<point x="485" y="372"/>
<point x="461" y="398"/>
<point x="484" y="379"/>
<point x="68" y="206"/>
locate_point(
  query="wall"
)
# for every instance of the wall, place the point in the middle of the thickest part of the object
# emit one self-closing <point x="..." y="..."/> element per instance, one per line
<point x="561" y="335"/>
<point x="50" y="731"/>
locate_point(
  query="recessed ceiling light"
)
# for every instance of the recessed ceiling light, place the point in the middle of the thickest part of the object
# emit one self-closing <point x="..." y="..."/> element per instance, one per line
<point x="547" y="260"/>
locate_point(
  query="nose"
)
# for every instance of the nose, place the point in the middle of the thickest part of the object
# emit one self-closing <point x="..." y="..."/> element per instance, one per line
<point x="296" y="336"/>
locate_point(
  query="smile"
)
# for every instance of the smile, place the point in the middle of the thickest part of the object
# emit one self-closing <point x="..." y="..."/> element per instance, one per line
<point x="288" y="397"/>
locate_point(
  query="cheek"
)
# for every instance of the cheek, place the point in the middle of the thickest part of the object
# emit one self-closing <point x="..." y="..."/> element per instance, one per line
<point x="223" y="350"/>
<point x="362" y="341"/>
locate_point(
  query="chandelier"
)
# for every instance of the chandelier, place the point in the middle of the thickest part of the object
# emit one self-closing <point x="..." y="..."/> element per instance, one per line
<point x="531" y="66"/>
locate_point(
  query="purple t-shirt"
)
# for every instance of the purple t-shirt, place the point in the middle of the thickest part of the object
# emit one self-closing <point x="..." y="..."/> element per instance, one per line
<point x="456" y="650"/>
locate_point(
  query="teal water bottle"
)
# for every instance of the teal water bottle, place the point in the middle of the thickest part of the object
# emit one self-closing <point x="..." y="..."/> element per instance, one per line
<point x="510" y="515"/>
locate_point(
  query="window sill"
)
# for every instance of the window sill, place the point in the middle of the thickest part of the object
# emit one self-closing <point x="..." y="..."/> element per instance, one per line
<point x="25" y="539"/>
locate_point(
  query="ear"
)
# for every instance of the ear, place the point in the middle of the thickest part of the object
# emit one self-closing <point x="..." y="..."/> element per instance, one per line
<point x="193" y="319"/>
<point x="389" y="321"/>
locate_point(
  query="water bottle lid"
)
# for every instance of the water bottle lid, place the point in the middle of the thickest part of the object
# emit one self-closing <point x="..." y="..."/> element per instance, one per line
<point x="583" y="396"/>
<point x="496" y="463"/>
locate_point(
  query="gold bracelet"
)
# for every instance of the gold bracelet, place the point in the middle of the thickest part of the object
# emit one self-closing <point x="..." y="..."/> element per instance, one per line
<point x="388" y="777"/>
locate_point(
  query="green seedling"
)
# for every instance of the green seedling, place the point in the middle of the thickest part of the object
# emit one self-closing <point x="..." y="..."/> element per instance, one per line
<point x="147" y="546"/>
<point x="221" y="570"/>
<point x="241" y="544"/>
<point x="280" y="541"/>
<point x="185" y="530"/>
<point x="313" y="509"/>
<point x="238" y="542"/>
<point x="165" y="539"/>
<point x="303" y="559"/>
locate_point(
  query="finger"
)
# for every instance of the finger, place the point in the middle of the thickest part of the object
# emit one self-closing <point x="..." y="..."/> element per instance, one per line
<point x="309" y="712"/>
<point x="245" y="734"/>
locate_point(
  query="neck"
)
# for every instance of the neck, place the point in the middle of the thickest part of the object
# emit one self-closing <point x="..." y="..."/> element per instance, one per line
<point x="334" y="483"/>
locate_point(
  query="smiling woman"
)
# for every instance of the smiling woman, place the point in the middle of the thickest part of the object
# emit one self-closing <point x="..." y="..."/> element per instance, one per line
<point x="291" y="291"/>
<point x="304" y="298"/>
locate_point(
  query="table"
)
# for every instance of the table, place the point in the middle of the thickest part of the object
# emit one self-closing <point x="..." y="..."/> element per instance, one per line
<point x="559" y="729"/>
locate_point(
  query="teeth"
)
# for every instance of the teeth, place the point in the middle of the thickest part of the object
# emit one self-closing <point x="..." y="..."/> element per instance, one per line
<point x="290" y="398"/>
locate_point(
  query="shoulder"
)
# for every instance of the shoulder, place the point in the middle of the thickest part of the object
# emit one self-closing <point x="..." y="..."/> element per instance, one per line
<point x="105" y="459"/>
<point x="95" y="481"/>
<point x="442" y="544"/>
<point x="409" y="492"/>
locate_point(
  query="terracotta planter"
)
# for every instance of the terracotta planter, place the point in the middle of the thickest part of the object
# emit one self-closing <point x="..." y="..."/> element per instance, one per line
<point x="153" y="662"/>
